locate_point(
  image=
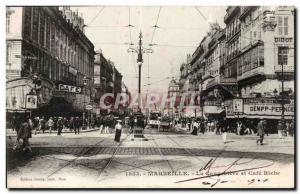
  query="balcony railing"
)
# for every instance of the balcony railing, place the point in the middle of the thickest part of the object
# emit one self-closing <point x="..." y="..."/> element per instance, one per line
<point x="286" y="68"/>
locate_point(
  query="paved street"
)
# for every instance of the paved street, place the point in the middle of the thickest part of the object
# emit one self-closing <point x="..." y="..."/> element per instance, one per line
<point x="99" y="160"/>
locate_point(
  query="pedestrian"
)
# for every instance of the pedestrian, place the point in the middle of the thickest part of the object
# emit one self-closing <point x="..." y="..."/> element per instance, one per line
<point x="65" y="123"/>
<point x="290" y="128"/>
<point x="76" y="125"/>
<point x="30" y="123"/>
<point x="106" y="123"/>
<point x="50" y="124"/>
<point x="239" y="128"/>
<point x="118" y="131"/>
<point x="131" y="120"/>
<point x="60" y="125"/>
<point x="224" y="130"/>
<point x="71" y="123"/>
<point x="202" y="126"/>
<point x="260" y="132"/>
<point x="135" y="122"/>
<point x="266" y="128"/>
<point x="23" y="134"/>
<point x="14" y="122"/>
<point x="195" y="128"/>
<point x="42" y="125"/>
<point x="280" y="128"/>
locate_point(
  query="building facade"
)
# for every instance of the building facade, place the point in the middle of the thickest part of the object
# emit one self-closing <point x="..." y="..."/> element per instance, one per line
<point x="47" y="44"/>
<point x="266" y="69"/>
<point x="246" y="69"/>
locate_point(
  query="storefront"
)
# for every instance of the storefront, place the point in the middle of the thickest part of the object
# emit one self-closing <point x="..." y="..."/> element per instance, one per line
<point x="254" y="109"/>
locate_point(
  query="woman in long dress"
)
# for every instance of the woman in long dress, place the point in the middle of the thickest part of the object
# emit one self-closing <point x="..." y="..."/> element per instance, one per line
<point x="118" y="131"/>
<point x="195" y="128"/>
<point x="224" y="130"/>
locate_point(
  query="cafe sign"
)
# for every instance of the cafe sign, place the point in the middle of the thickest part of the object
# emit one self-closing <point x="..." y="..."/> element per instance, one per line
<point x="268" y="109"/>
<point x="68" y="88"/>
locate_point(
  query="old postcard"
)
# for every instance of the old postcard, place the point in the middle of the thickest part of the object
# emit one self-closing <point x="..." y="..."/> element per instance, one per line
<point x="150" y="97"/>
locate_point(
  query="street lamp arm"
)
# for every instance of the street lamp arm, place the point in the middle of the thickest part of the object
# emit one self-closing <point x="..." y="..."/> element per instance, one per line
<point x="132" y="50"/>
<point x="148" y="51"/>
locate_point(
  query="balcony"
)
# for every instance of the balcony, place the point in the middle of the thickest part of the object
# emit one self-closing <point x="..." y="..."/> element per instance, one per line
<point x="245" y="10"/>
<point x="230" y="12"/>
<point x="220" y="80"/>
<point x="251" y="73"/>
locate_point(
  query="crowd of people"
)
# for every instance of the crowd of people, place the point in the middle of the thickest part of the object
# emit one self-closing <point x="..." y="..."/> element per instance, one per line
<point x="26" y="126"/>
<point x="222" y="126"/>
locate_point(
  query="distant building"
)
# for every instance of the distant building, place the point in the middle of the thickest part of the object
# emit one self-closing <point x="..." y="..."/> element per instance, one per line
<point x="173" y="98"/>
<point x="107" y="79"/>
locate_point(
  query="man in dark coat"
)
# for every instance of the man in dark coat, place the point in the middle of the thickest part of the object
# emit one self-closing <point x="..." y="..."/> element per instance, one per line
<point x="260" y="132"/>
<point x="24" y="133"/>
<point x="76" y="125"/>
<point x="60" y="125"/>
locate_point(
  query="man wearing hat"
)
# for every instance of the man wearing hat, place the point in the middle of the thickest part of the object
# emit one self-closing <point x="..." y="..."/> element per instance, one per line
<point x="118" y="130"/>
<point x="260" y="132"/>
<point x="60" y="125"/>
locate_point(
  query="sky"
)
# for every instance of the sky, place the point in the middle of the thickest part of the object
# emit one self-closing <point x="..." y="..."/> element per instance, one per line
<point x="180" y="30"/>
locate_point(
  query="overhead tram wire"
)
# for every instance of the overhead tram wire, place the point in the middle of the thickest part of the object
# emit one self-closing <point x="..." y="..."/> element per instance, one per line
<point x="96" y="16"/>
<point x="198" y="10"/>
<point x="129" y="26"/>
<point x="155" y="26"/>
<point x="170" y="45"/>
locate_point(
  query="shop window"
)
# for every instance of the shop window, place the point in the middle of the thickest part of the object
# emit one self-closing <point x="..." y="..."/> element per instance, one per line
<point x="283" y="55"/>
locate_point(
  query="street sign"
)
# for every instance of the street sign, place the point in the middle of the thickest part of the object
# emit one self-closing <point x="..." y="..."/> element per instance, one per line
<point x="237" y="105"/>
<point x="88" y="107"/>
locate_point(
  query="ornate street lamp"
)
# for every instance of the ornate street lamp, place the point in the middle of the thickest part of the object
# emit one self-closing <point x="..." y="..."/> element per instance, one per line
<point x="140" y="60"/>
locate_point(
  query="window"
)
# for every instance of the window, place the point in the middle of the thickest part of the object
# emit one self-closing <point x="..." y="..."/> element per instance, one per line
<point x="280" y="25"/>
<point x="35" y="25"/>
<point x="285" y="25"/>
<point x="8" y="54"/>
<point x="261" y="55"/>
<point x="7" y="23"/>
<point x="283" y="55"/>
